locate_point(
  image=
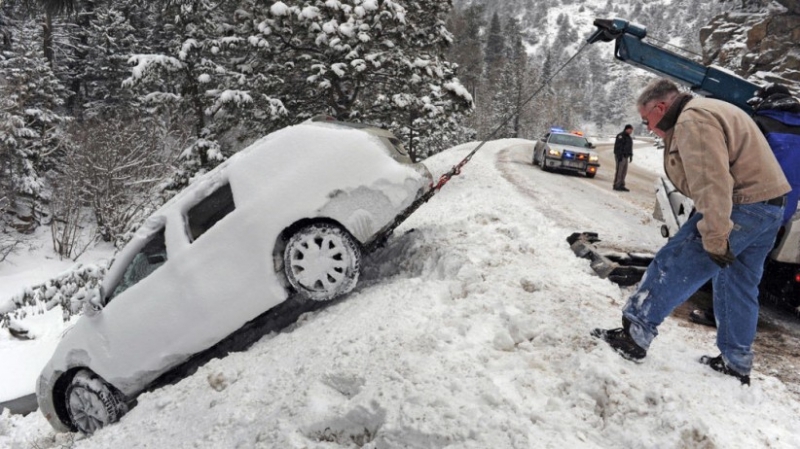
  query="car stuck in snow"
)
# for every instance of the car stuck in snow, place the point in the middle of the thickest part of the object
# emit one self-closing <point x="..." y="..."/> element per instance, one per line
<point x="288" y="215"/>
<point x="568" y="151"/>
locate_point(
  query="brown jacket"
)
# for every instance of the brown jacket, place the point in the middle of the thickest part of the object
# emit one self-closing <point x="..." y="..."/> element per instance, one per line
<point x="716" y="155"/>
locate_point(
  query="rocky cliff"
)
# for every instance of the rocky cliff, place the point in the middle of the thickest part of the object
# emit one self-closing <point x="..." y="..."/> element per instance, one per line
<point x="759" y="41"/>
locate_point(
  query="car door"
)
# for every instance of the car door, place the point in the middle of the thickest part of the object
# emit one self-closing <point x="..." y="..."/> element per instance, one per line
<point x="226" y="263"/>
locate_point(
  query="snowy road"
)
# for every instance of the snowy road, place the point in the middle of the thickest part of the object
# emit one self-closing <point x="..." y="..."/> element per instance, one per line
<point x="623" y="219"/>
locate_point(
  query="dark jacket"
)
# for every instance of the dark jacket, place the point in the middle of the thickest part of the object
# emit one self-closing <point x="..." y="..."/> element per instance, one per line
<point x="623" y="146"/>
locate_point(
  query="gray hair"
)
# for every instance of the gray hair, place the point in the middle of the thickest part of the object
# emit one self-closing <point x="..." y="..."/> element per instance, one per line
<point x="659" y="90"/>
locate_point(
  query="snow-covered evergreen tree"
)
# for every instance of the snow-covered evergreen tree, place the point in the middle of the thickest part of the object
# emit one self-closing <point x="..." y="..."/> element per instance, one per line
<point x="467" y="51"/>
<point x="205" y="75"/>
<point x="363" y="60"/>
<point x="93" y="56"/>
<point x="495" y="43"/>
<point x="31" y="99"/>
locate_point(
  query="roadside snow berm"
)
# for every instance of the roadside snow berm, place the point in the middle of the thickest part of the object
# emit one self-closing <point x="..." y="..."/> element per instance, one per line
<point x="621" y="268"/>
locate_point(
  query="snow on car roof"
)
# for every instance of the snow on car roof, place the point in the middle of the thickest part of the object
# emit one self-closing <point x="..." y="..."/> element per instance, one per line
<point x="348" y="152"/>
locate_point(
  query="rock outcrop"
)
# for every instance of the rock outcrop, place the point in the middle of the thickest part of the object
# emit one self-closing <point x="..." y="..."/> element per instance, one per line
<point x="760" y="41"/>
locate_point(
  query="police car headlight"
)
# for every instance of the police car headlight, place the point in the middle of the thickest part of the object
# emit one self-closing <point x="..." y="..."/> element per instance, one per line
<point x="551" y="152"/>
<point x="593" y="158"/>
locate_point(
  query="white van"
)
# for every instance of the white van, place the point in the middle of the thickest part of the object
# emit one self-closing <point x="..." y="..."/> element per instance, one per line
<point x="289" y="214"/>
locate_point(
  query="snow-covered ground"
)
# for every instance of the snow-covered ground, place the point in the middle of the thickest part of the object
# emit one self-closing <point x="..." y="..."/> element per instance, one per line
<point x="470" y="330"/>
<point x="22" y="360"/>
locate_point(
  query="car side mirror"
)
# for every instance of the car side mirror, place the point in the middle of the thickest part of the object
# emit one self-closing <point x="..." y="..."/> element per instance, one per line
<point x="93" y="303"/>
<point x="589" y="145"/>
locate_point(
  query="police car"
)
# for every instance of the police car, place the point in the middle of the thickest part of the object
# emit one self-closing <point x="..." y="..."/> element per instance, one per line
<point x="565" y="150"/>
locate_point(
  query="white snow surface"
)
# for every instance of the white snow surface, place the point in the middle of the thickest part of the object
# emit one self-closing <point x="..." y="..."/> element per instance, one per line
<point x="469" y="330"/>
<point x="21" y="361"/>
<point x="279" y="9"/>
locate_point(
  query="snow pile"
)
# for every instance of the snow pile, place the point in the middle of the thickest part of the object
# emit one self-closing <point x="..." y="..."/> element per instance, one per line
<point x="22" y="360"/>
<point x="471" y="330"/>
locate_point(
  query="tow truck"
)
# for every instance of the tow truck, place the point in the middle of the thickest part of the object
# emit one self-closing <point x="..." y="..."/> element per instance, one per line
<point x="781" y="279"/>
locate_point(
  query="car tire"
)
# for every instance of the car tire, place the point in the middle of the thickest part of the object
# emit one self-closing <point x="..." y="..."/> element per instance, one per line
<point x="322" y="261"/>
<point x="591" y="175"/>
<point x="92" y="403"/>
<point x="543" y="163"/>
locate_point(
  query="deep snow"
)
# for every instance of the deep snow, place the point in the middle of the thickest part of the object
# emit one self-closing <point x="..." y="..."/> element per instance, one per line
<point x="470" y="330"/>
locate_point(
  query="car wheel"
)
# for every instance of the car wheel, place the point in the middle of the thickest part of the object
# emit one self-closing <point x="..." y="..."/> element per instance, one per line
<point x="322" y="261"/>
<point x="543" y="163"/>
<point x="590" y="175"/>
<point x="92" y="404"/>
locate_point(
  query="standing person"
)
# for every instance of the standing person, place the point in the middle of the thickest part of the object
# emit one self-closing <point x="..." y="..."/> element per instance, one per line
<point x="623" y="153"/>
<point x="714" y="154"/>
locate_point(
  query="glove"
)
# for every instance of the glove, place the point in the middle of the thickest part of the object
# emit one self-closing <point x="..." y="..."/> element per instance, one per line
<point x="723" y="260"/>
<point x="630" y="158"/>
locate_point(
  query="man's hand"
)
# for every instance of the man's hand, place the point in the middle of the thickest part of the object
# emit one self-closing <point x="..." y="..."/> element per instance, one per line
<point x="723" y="260"/>
<point x="630" y="158"/>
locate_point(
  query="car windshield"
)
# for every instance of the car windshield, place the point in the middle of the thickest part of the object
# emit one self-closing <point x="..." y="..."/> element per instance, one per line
<point x="152" y="256"/>
<point x="568" y="139"/>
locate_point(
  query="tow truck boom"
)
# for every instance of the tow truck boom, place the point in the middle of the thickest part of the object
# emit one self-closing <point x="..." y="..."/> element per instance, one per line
<point x="706" y="81"/>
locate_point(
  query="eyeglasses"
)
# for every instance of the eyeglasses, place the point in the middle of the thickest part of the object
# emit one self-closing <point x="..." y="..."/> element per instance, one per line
<point x="646" y="122"/>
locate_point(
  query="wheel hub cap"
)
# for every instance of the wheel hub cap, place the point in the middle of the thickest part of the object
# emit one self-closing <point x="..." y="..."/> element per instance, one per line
<point x="88" y="411"/>
<point x="319" y="262"/>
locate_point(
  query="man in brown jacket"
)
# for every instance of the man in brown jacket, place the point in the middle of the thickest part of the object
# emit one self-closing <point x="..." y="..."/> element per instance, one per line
<point x="716" y="155"/>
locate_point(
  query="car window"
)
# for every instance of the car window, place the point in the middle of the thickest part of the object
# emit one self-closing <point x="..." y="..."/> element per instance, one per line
<point x="568" y="139"/>
<point x="205" y="214"/>
<point x="146" y="261"/>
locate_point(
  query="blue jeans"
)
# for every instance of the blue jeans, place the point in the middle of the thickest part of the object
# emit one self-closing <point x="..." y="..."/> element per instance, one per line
<point x="682" y="266"/>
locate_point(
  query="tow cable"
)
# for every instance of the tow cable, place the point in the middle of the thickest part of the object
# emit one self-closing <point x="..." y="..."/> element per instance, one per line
<point x="456" y="169"/>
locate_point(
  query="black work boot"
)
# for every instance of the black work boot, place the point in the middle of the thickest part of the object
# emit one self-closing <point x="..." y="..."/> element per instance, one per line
<point x="621" y="341"/>
<point x="703" y="316"/>
<point x="717" y="364"/>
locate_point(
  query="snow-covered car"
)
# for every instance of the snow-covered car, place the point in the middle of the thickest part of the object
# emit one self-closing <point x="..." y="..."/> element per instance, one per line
<point x="569" y="151"/>
<point x="290" y="214"/>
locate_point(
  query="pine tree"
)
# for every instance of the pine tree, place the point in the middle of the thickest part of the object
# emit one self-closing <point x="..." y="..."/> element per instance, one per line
<point x="31" y="100"/>
<point x="468" y="52"/>
<point x="518" y="62"/>
<point x="381" y="62"/>
<point x="93" y="63"/>
<point x="495" y="44"/>
<point x="199" y="75"/>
